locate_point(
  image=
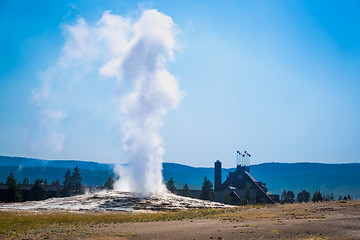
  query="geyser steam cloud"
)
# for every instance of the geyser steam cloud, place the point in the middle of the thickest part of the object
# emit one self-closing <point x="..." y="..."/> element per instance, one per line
<point x="154" y="92"/>
<point x="135" y="54"/>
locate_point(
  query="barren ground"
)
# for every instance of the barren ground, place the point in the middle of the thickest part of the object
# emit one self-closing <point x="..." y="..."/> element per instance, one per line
<point x="327" y="220"/>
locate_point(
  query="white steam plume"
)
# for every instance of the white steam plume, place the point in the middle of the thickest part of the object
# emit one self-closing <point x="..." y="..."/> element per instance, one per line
<point x="153" y="92"/>
<point x="135" y="53"/>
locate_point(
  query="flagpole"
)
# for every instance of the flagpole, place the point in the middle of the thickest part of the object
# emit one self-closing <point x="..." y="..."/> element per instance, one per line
<point x="237" y="162"/>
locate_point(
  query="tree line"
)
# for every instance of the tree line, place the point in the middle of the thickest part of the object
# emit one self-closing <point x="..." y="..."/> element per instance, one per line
<point x="72" y="185"/>
<point x="305" y="196"/>
<point x="207" y="193"/>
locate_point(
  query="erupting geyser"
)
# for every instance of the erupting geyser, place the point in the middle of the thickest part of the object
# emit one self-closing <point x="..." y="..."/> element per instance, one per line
<point x="153" y="92"/>
<point x="135" y="53"/>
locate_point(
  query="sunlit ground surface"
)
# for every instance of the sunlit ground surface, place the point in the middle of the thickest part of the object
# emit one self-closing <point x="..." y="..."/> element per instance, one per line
<point x="328" y="220"/>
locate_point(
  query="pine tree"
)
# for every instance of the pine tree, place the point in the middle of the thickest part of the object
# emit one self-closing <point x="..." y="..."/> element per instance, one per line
<point x="186" y="191"/>
<point x="25" y="181"/>
<point x="303" y="196"/>
<point x="12" y="193"/>
<point x="284" y="196"/>
<point x="290" y="196"/>
<point x="75" y="182"/>
<point x="317" y="197"/>
<point x="170" y="185"/>
<point x="109" y="183"/>
<point x="55" y="183"/>
<point x="37" y="192"/>
<point x="58" y="187"/>
<point x="66" y="191"/>
<point x="207" y="192"/>
<point x="332" y="197"/>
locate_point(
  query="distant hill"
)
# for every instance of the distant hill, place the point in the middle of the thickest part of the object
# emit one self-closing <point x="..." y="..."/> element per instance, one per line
<point x="93" y="173"/>
<point x="34" y="162"/>
<point x="340" y="179"/>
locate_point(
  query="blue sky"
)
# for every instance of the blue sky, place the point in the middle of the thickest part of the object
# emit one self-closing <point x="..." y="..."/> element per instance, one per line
<point x="280" y="79"/>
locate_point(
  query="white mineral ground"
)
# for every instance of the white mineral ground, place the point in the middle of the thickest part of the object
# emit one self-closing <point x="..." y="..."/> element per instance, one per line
<point x="114" y="201"/>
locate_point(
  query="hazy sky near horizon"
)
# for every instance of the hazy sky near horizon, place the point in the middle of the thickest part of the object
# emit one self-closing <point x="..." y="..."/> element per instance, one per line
<point x="280" y="79"/>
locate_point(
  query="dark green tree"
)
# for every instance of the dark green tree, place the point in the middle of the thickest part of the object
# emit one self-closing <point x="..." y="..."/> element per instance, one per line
<point x="76" y="182"/>
<point x="287" y="196"/>
<point x="283" y="198"/>
<point x="207" y="193"/>
<point x="38" y="191"/>
<point x="45" y="182"/>
<point x="349" y="198"/>
<point x="340" y="198"/>
<point x="303" y="196"/>
<point x="290" y="196"/>
<point x="317" y="197"/>
<point x="66" y="191"/>
<point x="25" y="181"/>
<point x="109" y="183"/>
<point x="12" y="193"/>
<point x="170" y="185"/>
<point x="186" y="191"/>
<point x="58" y="187"/>
<point x="327" y="198"/>
<point x="55" y="183"/>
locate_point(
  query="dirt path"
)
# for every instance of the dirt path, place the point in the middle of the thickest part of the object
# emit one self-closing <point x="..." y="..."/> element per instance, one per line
<point x="297" y="221"/>
<point x="328" y="220"/>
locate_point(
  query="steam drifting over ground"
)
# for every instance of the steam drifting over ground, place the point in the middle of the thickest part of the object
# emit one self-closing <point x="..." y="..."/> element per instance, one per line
<point x="135" y="54"/>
